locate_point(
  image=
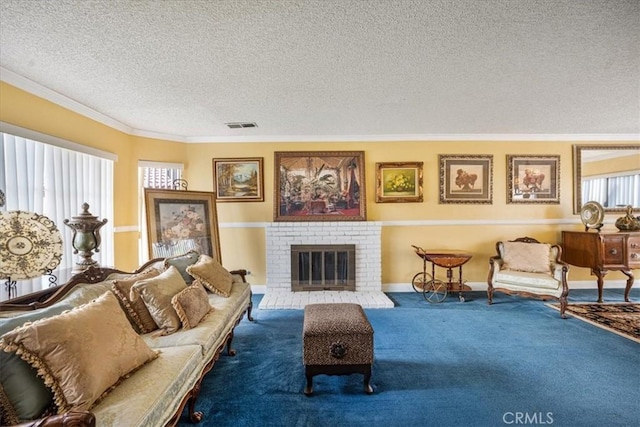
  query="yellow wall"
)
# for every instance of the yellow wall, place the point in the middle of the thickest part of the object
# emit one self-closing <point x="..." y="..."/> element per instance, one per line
<point x="609" y="166"/>
<point x="429" y="224"/>
<point x="23" y="109"/>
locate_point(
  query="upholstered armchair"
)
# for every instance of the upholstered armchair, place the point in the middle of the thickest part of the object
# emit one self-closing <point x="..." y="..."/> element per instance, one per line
<point x="528" y="268"/>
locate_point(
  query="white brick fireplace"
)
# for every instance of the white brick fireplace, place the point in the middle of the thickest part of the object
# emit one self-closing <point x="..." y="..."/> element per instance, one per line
<point x="365" y="235"/>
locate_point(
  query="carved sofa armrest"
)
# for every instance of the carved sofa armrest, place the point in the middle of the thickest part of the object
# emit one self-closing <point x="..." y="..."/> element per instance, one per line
<point x="69" y="419"/>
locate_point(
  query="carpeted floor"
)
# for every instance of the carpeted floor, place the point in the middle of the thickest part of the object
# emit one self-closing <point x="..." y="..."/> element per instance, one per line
<point x="620" y="318"/>
<point x="448" y="364"/>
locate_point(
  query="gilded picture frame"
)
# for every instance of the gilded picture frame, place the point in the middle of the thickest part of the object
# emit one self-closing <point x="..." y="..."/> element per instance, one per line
<point x="180" y="221"/>
<point x="533" y="179"/>
<point x="399" y="182"/>
<point x="319" y="186"/>
<point x="238" y="179"/>
<point x="466" y="179"/>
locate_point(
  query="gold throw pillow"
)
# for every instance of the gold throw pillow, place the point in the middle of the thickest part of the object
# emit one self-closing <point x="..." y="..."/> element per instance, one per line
<point x="136" y="311"/>
<point x="192" y="305"/>
<point x="81" y="353"/>
<point x="212" y="275"/>
<point x="156" y="293"/>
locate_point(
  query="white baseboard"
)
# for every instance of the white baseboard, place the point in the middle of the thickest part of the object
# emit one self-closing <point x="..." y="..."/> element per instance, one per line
<point x="477" y="286"/>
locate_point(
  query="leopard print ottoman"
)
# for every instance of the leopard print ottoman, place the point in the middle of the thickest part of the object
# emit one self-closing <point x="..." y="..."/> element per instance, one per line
<point x="337" y="340"/>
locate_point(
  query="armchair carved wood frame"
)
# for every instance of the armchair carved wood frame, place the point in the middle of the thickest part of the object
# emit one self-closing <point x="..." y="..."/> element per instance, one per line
<point x="544" y="285"/>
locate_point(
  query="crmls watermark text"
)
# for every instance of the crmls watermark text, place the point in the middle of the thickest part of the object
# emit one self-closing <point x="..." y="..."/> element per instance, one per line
<point x="528" y="418"/>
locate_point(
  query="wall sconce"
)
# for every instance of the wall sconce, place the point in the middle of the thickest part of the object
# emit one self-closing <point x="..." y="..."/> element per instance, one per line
<point x="86" y="237"/>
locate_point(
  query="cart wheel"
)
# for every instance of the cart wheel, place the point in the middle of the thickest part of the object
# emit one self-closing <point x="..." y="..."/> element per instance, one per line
<point x="435" y="291"/>
<point x="419" y="280"/>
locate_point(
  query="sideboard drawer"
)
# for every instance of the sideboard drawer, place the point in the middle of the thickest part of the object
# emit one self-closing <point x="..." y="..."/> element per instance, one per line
<point x="634" y="251"/>
<point x="614" y="250"/>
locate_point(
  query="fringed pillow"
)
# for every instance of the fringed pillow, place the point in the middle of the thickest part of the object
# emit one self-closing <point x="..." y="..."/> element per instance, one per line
<point x="192" y="305"/>
<point x="81" y="354"/>
<point x="212" y="275"/>
<point x="156" y="293"/>
<point x="25" y="395"/>
<point x="136" y="311"/>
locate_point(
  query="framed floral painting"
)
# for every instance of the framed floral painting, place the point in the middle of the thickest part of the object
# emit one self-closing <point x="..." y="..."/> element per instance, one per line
<point x="399" y="182"/>
<point x="181" y="221"/>
<point x="466" y="179"/>
<point x="533" y="179"/>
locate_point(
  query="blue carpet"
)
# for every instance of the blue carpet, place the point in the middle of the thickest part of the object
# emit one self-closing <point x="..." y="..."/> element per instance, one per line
<point x="448" y="364"/>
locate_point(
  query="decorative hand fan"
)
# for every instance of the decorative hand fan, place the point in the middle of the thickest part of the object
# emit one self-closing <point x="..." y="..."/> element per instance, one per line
<point x="30" y="245"/>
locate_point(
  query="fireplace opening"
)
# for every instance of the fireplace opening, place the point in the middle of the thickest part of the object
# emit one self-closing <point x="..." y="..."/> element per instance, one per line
<point x="323" y="267"/>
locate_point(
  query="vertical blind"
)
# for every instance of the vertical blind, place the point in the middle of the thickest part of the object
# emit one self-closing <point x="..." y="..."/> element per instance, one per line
<point x="55" y="182"/>
<point x="613" y="191"/>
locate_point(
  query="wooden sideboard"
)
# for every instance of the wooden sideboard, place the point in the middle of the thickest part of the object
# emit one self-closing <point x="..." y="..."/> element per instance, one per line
<point x="602" y="252"/>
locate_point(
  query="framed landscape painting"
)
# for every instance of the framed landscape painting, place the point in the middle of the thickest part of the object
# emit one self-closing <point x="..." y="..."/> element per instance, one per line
<point x="319" y="186"/>
<point x="238" y="179"/>
<point x="181" y="221"/>
<point x="533" y="179"/>
<point x="466" y="179"/>
<point x="399" y="182"/>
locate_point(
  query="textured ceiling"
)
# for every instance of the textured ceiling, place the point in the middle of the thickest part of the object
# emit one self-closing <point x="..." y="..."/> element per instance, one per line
<point x="332" y="68"/>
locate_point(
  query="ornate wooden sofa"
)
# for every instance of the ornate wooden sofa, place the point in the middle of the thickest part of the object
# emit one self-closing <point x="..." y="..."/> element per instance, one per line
<point x="528" y="268"/>
<point x="157" y="392"/>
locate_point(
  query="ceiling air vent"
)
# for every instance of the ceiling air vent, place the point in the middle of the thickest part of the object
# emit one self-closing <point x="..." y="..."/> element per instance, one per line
<point x="241" y="125"/>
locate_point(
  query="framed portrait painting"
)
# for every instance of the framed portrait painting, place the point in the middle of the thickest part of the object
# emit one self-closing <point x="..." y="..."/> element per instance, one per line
<point x="533" y="179"/>
<point x="399" y="182"/>
<point x="238" y="179"/>
<point x="181" y="221"/>
<point x="466" y="179"/>
<point x="319" y="186"/>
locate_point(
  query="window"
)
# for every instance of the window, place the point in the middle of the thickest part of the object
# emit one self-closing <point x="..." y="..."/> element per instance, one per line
<point x="613" y="191"/>
<point x="154" y="175"/>
<point x="48" y="179"/>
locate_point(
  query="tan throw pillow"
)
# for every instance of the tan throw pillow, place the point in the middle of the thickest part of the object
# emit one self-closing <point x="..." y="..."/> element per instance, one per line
<point x="212" y="275"/>
<point x="136" y="311"/>
<point x="529" y="257"/>
<point x="192" y="305"/>
<point x="156" y="293"/>
<point x="81" y="353"/>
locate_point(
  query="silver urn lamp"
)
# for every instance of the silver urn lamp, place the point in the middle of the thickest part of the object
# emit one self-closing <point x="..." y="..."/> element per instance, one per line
<point x="86" y="237"/>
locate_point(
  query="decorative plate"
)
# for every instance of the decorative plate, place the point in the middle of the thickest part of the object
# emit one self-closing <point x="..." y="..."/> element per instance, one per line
<point x="30" y="245"/>
<point x="592" y="215"/>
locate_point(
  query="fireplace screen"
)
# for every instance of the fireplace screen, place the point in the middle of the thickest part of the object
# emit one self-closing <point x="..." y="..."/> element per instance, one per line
<point x="323" y="267"/>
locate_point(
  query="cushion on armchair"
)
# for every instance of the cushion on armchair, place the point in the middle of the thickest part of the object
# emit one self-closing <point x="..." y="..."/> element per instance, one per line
<point x="528" y="257"/>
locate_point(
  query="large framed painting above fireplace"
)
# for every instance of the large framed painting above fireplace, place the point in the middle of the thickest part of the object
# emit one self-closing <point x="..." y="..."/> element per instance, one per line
<point x="319" y="186"/>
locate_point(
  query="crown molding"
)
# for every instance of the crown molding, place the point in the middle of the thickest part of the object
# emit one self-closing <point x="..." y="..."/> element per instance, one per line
<point x="41" y="91"/>
<point x="420" y="137"/>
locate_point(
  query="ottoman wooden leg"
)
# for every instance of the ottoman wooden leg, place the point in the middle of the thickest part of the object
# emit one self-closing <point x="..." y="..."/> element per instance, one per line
<point x="309" y="388"/>
<point x="367" y="381"/>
